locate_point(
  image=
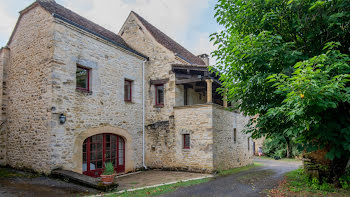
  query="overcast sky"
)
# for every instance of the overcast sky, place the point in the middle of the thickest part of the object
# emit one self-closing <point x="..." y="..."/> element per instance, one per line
<point x="189" y="22"/>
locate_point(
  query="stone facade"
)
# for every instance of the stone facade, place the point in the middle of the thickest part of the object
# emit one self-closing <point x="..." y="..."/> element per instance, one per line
<point x="38" y="85"/>
<point x="228" y="151"/>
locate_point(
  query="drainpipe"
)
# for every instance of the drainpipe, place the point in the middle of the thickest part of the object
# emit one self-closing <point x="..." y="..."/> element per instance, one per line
<point x="143" y="114"/>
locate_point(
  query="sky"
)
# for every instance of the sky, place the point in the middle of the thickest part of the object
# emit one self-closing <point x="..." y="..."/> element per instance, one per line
<point x="189" y="22"/>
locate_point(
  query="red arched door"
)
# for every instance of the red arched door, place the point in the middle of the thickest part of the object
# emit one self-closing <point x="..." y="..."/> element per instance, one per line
<point x="100" y="149"/>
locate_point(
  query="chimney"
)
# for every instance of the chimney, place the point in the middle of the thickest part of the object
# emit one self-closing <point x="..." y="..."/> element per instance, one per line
<point x="50" y="1"/>
<point x="205" y="58"/>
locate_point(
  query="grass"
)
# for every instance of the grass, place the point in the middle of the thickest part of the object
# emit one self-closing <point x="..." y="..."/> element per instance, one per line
<point x="236" y="170"/>
<point x="155" y="191"/>
<point x="11" y="173"/>
<point x="297" y="184"/>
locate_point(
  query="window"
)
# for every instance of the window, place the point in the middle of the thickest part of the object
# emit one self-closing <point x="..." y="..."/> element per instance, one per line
<point x="235" y="135"/>
<point x="185" y="96"/>
<point x="248" y="143"/>
<point x="127" y="90"/>
<point x="187" y="141"/>
<point x="160" y="95"/>
<point x="83" y="78"/>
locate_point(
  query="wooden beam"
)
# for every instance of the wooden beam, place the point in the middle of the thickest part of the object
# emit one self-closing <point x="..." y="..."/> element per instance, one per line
<point x="183" y="81"/>
<point x="159" y="81"/>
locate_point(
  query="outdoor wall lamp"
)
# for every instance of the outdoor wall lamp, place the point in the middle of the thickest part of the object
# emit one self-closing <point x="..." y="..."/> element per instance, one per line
<point x="62" y="118"/>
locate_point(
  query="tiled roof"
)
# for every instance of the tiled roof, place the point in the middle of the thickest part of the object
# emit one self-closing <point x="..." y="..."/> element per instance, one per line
<point x="54" y="8"/>
<point x="169" y="43"/>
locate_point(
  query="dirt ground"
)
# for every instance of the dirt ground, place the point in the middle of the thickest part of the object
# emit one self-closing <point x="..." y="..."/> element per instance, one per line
<point x="17" y="184"/>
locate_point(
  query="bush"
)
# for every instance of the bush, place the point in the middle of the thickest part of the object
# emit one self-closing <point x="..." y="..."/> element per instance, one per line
<point x="345" y="180"/>
<point x="277" y="148"/>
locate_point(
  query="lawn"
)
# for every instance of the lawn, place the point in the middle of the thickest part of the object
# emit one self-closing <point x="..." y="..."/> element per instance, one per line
<point x="297" y="184"/>
<point x="155" y="191"/>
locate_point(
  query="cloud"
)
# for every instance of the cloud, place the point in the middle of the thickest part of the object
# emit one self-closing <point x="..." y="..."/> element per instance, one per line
<point x="6" y="26"/>
<point x="203" y="45"/>
<point x="171" y="17"/>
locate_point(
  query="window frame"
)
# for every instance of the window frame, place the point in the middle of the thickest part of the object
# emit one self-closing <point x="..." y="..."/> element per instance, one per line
<point x="156" y="94"/>
<point x="87" y="89"/>
<point x="235" y="135"/>
<point x="184" y="141"/>
<point x="130" y="89"/>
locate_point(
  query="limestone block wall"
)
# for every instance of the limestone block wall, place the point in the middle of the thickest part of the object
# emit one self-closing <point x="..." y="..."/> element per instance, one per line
<point x="104" y="107"/>
<point x="193" y="97"/>
<point x="158" y="67"/>
<point x="4" y="61"/>
<point x="226" y="152"/>
<point x="197" y="121"/>
<point x="29" y="91"/>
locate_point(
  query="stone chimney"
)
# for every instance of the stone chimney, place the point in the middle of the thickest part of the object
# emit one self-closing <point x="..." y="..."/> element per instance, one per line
<point x="52" y="1"/>
<point x="205" y="58"/>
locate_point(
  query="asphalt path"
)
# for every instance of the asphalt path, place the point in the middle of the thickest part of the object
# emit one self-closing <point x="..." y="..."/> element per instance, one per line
<point x="253" y="182"/>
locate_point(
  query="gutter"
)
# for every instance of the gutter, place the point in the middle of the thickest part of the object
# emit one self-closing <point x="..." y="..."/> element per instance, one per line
<point x="143" y="114"/>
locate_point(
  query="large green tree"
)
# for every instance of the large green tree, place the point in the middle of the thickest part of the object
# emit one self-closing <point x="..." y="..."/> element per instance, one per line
<point x="258" y="54"/>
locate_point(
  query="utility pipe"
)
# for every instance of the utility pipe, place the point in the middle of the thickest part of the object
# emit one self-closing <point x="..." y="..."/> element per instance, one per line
<point x="143" y="114"/>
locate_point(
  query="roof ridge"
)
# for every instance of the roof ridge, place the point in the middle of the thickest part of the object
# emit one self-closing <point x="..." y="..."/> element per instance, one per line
<point x="168" y="42"/>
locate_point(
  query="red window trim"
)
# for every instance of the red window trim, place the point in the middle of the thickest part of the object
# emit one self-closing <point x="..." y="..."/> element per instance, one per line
<point x="88" y="79"/>
<point x="130" y="81"/>
<point x="159" y="104"/>
<point x="184" y="141"/>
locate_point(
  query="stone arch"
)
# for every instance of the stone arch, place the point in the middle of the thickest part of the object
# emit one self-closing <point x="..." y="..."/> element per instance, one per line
<point x="77" y="159"/>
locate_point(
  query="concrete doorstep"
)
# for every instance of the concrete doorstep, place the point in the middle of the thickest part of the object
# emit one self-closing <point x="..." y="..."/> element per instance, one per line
<point x="83" y="180"/>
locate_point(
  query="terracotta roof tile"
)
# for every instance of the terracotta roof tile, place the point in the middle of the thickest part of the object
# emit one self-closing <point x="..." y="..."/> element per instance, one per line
<point x="54" y="8"/>
<point x="169" y="43"/>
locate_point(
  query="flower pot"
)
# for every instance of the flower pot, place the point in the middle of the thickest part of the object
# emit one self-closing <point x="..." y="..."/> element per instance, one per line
<point x="107" y="179"/>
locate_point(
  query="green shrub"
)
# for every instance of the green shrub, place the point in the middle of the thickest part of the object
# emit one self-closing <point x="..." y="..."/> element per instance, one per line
<point x="345" y="180"/>
<point x="109" y="169"/>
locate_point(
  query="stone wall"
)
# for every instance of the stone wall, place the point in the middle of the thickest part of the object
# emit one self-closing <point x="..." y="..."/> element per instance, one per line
<point x="29" y="90"/>
<point x="228" y="153"/>
<point x="4" y="61"/>
<point x="193" y="97"/>
<point x="103" y="107"/>
<point x="195" y="120"/>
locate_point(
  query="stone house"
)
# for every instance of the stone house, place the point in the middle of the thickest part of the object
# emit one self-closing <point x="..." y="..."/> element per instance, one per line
<point x="76" y="95"/>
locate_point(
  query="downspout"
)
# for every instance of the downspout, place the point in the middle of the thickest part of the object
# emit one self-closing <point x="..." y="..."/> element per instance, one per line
<point x="143" y="114"/>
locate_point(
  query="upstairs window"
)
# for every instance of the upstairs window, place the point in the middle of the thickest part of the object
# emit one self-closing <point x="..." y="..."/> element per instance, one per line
<point x="160" y="95"/>
<point x="83" y="78"/>
<point x="234" y="135"/>
<point x="127" y="90"/>
<point x="187" y="141"/>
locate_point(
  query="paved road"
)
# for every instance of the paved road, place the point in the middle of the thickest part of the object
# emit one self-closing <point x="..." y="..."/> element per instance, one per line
<point x="252" y="182"/>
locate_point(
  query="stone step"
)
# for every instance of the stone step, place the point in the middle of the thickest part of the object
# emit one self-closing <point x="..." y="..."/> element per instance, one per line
<point x="83" y="180"/>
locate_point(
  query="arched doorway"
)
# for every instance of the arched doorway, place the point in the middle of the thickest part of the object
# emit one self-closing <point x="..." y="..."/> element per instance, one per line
<point x="100" y="149"/>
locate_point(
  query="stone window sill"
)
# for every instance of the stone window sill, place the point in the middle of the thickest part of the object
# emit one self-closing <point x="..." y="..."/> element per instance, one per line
<point x="86" y="92"/>
<point x="158" y="106"/>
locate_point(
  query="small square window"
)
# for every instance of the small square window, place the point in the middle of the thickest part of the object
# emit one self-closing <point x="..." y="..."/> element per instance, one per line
<point x="83" y="78"/>
<point x="187" y="141"/>
<point x="160" y="94"/>
<point x="127" y="90"/>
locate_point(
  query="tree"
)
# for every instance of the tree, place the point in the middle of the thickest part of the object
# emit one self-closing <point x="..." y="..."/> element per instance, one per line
<point x="263" y="38"/>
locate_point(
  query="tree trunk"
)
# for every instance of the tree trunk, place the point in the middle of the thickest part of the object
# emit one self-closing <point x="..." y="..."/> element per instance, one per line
<point x="337" y="169"/>
<point x="289" y="155"/>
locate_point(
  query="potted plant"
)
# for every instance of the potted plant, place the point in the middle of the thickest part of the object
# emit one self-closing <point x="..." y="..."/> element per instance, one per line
<point x="107" y="177"/>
